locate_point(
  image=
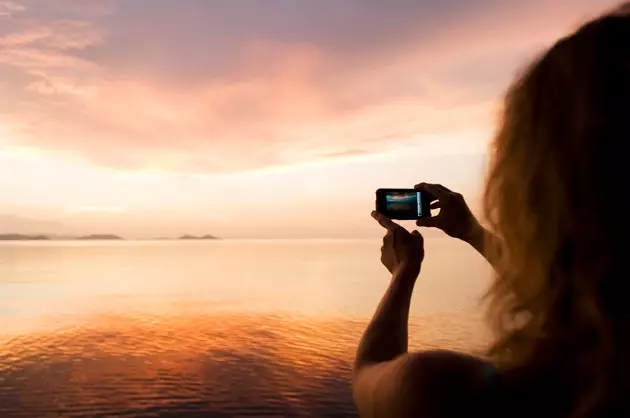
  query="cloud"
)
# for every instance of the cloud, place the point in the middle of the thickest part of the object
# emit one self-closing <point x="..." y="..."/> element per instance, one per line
<point x="226" y="86"/>
<point x="9" y="8"/>
<point x="60" y="35"/>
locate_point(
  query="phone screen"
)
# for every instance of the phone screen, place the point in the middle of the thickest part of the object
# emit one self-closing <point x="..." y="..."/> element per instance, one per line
<point x="404" y="203"/>
<point x="401" y="203"/>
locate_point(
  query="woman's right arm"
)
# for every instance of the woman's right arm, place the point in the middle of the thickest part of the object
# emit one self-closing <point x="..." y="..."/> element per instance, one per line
<point x="480" y="239"/>
<point x="456" y="220"/>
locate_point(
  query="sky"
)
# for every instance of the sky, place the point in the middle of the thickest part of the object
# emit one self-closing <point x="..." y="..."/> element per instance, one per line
<point x="251" y="118"/>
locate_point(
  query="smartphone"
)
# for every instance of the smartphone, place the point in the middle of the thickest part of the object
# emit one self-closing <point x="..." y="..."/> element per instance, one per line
<point x="403" y="204"/>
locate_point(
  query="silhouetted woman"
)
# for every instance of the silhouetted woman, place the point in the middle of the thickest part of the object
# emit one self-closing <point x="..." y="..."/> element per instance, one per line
<point x="557" y="201"/>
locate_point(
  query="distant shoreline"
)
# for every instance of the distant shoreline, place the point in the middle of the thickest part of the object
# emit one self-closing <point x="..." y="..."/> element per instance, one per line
<point x="96" y="237"/>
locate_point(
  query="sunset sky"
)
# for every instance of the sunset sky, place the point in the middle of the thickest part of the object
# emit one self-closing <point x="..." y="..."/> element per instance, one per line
<point x="250" y="118"/>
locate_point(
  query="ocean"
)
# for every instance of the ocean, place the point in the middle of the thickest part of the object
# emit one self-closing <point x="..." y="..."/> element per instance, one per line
<point x="227" y="328"/>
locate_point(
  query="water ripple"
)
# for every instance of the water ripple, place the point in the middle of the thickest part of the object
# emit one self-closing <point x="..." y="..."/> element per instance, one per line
<point x="206" y="365"/>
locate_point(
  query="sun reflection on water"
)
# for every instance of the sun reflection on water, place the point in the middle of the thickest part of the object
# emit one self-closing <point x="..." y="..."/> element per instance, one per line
<point x="210" y="365"/>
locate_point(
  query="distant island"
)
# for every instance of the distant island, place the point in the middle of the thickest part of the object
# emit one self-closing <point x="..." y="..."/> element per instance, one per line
<point x="193" y="237"/>
<point x="99" y="237"/>
<point x="21" y="237"/>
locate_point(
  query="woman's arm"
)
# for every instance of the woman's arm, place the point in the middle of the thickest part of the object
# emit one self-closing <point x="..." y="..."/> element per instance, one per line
<point x="381" y="359"/>
<point x="387" y="380"/>
<point x="457" y="221"/>
<point x="382" y="365"/>
<point x="386" y="335"/>
<point x="480" y="239"/>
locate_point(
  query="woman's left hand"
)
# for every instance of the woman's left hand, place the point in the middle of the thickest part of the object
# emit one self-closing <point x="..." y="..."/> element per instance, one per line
<point x="402" y="251"/>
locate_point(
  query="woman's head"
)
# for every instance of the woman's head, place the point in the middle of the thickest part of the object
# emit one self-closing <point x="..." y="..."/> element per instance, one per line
<point x="558" y="196"/>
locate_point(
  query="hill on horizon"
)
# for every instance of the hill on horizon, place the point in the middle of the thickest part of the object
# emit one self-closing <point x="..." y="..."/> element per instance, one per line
<point x="191" y="237"/>
<point x="23" y="237"/>
<point x="100" y="237"/>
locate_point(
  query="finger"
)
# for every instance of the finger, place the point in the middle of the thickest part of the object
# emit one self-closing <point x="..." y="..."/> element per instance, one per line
<point x="437" y="190"/>
<point x="417" y="234"/>
<point x="384" y="221"/>
<point x="436" y="205"/>
<point x="428" y="222"/>
<point x="418" y="237"/>
<point x="443" y="188"/>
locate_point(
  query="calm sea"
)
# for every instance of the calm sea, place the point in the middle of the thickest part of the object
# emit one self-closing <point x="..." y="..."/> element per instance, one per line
<point x="213" y="328"/>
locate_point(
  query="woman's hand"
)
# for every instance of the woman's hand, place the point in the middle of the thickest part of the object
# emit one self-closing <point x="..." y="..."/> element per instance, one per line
<point x="455" y="218"/>
<point x="402" y="252"/>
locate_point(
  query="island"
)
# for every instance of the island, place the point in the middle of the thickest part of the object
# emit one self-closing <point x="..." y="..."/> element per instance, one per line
<point x="99" y="237"/>
<point x="21" y="237"/>
<point x="193" y="237"/>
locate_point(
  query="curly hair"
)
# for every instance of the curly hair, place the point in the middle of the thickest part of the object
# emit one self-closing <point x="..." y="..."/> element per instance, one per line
<point x="556" y="198"/>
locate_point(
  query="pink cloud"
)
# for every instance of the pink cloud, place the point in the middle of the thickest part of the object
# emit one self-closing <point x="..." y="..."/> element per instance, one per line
<point x="43" y="87"/>
<point x="58" y="35"/>
<point x="9" y="8"/>
<point x="174" y="101"/>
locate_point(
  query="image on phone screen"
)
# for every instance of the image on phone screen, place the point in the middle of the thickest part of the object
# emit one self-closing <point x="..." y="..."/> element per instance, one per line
<point x="404" y="203"/>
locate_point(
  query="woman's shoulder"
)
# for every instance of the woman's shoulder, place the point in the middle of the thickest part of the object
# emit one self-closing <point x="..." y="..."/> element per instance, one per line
<point x="448" y="360"/>
<point x="447" y="383"/>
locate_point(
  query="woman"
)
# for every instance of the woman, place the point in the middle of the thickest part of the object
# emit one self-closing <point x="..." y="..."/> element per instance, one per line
<point x="556" y="201"/>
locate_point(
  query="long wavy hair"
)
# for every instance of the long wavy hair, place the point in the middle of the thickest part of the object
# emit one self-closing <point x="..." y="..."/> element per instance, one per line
<point x="558" y="198"/>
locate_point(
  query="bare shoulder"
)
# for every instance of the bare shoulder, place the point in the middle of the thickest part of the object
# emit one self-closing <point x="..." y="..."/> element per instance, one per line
<point x="443" y="363"/>
<point x="430" y="384"/>
<point x="443" y="383"/>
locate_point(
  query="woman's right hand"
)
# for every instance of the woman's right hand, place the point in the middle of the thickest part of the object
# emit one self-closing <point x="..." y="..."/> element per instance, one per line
<point x="455" y="217"/>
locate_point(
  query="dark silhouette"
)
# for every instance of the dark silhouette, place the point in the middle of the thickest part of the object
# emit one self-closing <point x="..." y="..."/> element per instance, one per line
<point x="555" y="203"/>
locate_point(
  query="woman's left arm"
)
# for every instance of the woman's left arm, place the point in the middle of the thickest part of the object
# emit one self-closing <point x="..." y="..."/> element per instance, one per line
<point x="382" y="358"/>
<point x="390" y="382"/>
<point x="386" y="335"/>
